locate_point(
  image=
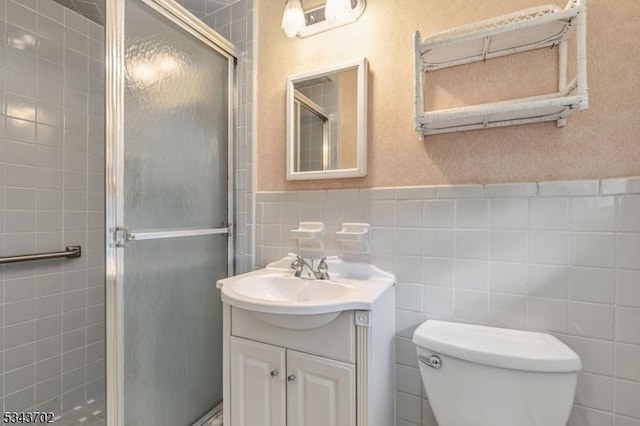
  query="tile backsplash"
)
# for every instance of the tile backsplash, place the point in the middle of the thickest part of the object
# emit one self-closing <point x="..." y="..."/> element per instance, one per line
<point x="557" y="257"/>
<point x="51" y="195"/>
<point x="235" y="22"/>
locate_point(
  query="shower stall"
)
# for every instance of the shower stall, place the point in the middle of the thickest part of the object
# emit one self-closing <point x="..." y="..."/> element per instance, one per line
<point x="117" y="202"/>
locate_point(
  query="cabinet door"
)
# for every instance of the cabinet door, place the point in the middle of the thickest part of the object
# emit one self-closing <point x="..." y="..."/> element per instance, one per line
<point x="320" y="391"/>
<point x="258" y="387"/>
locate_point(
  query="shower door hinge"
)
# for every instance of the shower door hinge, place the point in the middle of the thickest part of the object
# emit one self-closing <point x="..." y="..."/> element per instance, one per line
<point x="121" y="236"/>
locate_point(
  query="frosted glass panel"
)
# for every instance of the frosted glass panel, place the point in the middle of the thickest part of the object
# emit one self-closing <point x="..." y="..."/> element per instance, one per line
<point x="175" y="178"/>
<point x="173" y="329"/>
<point x="176" y="126"/>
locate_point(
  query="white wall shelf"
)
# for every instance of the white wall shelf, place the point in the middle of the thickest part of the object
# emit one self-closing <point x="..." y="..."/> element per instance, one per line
<point x="528" y="29"/>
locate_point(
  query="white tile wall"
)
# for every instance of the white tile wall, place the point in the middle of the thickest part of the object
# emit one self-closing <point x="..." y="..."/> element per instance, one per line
<point x="51" y="195"/>
<point x="234" y="20"/>
<point x="203" y="8"/>
<point x="559" y="257"/>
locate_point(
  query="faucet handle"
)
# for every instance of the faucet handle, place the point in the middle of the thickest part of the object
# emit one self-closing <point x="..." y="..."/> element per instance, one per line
<point x="323" y="269"/>
<point x="296" y="264"/>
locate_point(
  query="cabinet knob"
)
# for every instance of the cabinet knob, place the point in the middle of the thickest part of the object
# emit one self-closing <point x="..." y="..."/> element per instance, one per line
<point x="275" y="373"/>
<point x="291" y="378"/>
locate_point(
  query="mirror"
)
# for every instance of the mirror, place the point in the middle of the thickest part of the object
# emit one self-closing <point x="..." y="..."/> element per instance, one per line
<point x="327" y="122"/>
<point x="315" y="19"/>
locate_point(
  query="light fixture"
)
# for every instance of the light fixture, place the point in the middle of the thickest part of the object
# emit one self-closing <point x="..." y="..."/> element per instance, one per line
<point x="319" y="16"/>
<point x="293" y="18"/>
<point x="337" y="9"/>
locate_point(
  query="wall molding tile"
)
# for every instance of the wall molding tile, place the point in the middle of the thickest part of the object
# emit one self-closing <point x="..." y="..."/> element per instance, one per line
<point x="572" y="188"/>
<point x="505" y="190"/>
<point x="620" y="186"/>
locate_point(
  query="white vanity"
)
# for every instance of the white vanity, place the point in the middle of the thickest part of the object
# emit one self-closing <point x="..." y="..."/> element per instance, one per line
<point x="300" y="352"/>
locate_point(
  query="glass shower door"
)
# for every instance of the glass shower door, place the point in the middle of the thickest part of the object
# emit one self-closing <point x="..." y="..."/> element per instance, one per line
<point x="170" y="87"/>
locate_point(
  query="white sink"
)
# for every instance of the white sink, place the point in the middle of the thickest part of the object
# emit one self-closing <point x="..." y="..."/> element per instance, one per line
<point x="275" y="290"/>
<point x="281" y="287"/>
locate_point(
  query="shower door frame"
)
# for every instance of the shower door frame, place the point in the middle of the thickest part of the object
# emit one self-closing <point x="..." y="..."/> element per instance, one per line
<point x="114" y="173"/>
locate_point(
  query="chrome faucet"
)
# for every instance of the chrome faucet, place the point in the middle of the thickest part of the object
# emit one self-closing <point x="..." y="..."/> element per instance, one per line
<point x="322" y="273"/>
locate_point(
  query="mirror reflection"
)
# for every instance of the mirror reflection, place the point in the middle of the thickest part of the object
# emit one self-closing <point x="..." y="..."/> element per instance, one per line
<point x="325" y="122"/>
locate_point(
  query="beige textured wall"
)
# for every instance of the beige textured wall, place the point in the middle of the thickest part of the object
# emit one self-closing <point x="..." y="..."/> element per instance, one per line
<point x="603" y="141"/>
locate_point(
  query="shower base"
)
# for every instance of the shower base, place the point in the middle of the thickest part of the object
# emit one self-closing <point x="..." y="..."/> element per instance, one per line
<point x="215" y="420"/>
<point x="91" y="413"/>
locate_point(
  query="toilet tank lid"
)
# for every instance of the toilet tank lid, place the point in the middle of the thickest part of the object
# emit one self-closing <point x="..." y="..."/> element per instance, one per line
<point x="498" y="347"/>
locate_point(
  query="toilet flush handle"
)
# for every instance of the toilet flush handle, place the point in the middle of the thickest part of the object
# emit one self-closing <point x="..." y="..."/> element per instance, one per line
<point x="433" y="361"/>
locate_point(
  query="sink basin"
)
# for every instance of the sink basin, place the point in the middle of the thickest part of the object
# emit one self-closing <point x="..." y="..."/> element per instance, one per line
<point x="275" y="290"/>
<point x="286" y="288"/>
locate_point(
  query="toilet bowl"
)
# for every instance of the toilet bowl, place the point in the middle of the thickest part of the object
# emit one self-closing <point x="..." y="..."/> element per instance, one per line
<point x="487" y="376"/>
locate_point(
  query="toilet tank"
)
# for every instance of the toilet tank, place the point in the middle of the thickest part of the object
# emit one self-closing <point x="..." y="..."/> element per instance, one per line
<point x="490" y="376"/>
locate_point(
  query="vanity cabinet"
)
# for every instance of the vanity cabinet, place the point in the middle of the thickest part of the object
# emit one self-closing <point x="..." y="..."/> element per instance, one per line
<point x="270" y="384"/>
<point x="320" y="391"/>
<point x="257" y="383"/>
<point x="309" y="370"/>
<point x="302" y="352"/>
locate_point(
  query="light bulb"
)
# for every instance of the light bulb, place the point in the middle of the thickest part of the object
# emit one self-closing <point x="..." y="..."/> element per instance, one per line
<point x="293" y="18"/>
<point x="337" y="9"/>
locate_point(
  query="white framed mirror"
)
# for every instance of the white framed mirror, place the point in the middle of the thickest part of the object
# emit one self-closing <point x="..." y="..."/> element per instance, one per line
<point x="327" y="122"/>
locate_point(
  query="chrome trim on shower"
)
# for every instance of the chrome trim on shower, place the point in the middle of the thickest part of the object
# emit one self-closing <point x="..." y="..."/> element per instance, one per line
<point x="114" y="166"/>
<point x="155" y="235"/>
<point x="181" y="17"/>
<point x="214" y="412"/>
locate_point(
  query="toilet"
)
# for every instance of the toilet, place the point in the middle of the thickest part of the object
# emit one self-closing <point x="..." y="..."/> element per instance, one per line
<point x="486" y="376"/>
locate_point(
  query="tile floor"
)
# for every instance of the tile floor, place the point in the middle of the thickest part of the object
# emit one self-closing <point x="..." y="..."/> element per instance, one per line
<point x="92" y="413"/>
<point x="215" y="420"/>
